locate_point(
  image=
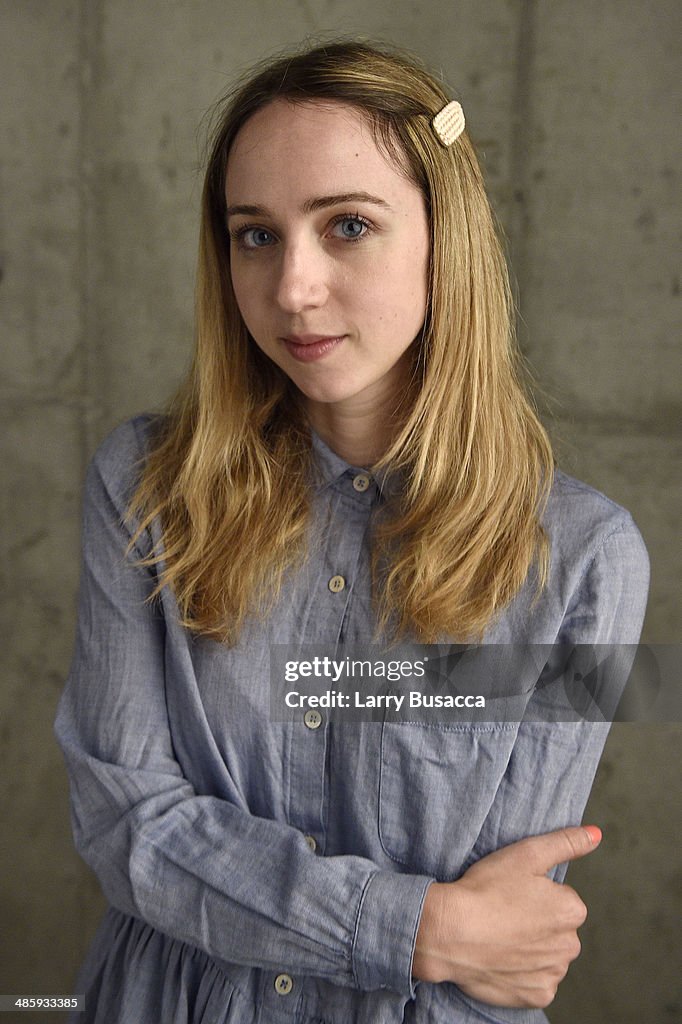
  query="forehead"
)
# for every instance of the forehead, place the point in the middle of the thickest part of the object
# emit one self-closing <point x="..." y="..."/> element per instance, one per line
<point x="314" y="147"/>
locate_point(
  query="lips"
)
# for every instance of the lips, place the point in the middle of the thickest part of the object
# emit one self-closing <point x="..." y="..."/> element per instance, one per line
<point x="306" y="348"/>
<point x="311" y="339"/>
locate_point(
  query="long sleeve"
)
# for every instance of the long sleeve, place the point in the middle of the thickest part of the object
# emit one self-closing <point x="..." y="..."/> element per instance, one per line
<point x="547" y="780"/>
<point x="552" y="765"/>
<point x="199" y="867"/>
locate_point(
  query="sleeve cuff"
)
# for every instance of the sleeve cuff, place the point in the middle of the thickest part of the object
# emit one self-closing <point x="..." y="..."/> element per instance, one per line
<point x="386" y="931"/>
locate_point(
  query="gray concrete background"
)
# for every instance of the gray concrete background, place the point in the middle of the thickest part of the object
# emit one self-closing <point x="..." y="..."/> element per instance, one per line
<point x="576" y="109"/>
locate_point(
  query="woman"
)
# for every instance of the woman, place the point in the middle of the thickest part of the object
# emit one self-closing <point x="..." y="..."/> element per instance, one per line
<point x="351" y="459"/>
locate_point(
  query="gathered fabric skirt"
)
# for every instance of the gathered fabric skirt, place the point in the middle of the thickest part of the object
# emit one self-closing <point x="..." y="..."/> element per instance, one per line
<point x="134" y="974"/>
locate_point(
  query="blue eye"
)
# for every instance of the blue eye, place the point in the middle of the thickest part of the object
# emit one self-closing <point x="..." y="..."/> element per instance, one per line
<point x="252" y="238"/>
<point x="352" y="228"/>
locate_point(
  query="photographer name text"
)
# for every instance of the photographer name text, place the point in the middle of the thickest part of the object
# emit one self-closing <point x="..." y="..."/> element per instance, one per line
<point x="392" y="701"/>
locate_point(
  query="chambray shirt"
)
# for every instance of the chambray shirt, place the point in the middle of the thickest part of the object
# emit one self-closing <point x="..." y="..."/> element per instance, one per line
<point x="271" y="872"/>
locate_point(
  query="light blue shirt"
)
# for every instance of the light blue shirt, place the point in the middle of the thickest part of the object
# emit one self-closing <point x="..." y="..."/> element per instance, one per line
<point x="270" y="872"/>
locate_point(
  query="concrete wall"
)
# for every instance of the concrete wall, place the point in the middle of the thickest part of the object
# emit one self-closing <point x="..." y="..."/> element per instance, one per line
<point x="573" y="104"/>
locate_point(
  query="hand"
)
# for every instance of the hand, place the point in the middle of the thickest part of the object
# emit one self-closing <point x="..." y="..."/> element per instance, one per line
<point x="504" y="932"/>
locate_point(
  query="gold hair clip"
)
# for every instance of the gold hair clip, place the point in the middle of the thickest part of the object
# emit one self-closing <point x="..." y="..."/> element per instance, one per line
<point x="448" y="124"/>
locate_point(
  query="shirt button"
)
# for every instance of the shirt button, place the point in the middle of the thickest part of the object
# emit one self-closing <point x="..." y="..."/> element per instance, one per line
<point x="283" y="984"/>
<point x="361" y="482"/>
<point x="313" y="719"/>
<point x="336" y="584"/>
<point x="310" y="840"/>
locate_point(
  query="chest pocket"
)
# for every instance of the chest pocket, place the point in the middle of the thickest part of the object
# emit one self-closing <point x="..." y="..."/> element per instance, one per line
<point x="436" y="786"/>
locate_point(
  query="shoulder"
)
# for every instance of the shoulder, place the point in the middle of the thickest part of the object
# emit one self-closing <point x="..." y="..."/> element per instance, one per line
<point x="119" y="459"/>
<point x="126" y="446"/>
<point x="128" y="443"/>
<point x="579" y="519"/>
<point x="599" y="564"/>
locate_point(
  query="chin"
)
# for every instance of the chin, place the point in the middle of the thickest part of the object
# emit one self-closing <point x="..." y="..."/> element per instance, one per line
<point x="325" y="396"/>
<point x="325" y="392"/>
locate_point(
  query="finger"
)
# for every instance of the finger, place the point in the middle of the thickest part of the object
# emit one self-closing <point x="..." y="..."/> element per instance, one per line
<point x="565" y="844"/>
<point x="546" y="851"/>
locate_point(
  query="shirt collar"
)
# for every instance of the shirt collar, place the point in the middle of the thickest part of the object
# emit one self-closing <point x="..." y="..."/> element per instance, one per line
<point x="329" y="469"/>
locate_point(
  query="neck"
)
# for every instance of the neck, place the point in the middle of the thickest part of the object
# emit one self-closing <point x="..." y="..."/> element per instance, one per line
<point x="360" y="434"/>
<point x="361" y="428"/>
<point x="361" y="441"/>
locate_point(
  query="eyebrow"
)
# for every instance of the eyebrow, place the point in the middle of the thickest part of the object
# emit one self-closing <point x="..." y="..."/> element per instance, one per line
<point x="312" y="205"/>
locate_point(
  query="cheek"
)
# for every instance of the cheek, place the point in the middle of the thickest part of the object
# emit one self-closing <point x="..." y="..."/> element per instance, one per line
<point x="407" y="275"/>
<point x="416" y="280"/>
<point x="238" y="275"/>
<point x="246" y="294"/>
<point x="408" y="286"/>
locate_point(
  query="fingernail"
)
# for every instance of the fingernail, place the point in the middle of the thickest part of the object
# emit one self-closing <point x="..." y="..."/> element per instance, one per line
<point x="594" y="833"/>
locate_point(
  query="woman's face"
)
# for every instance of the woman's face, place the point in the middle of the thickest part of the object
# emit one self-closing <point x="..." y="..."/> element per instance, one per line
<point x="329" y="251"/>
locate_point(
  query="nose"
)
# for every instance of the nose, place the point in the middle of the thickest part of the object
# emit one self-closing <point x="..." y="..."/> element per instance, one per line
<point x="302" y="277"/>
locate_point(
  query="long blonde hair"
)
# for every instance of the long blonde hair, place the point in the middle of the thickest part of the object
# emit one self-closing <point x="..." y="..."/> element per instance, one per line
<point x="228" y="475"/>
